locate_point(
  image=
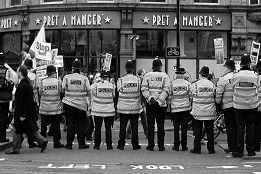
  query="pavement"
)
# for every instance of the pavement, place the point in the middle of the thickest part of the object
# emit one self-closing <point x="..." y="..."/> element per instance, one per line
<point x="220" y="141"/>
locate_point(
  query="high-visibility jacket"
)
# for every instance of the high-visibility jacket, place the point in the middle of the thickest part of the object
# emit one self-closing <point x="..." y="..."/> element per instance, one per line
<point x="180" y="95"/>
<point x="259" y="95"/>
<point x="203" y="100"/>
<point x="77" y="91"/>
<point x="51" y="103"/>
<point x="245" y="84"/>
<point x="224" y="93"/>
<point x="129" y="101"/>
<point x="102" y="99"/>
<point x="157" y="85"/>
<point x="35" y="84"/>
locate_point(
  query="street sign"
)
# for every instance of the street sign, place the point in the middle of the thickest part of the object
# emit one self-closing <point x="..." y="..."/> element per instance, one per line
<point x="172" y="52"/>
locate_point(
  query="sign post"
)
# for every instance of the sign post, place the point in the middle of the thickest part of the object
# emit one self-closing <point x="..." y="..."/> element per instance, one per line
<point x="255" y="48"/>
<point x="172" y="52"/>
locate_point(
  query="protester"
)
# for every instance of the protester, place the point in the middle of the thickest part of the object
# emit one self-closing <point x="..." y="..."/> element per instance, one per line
<point x="245" y="97"/>
<point x="25" y="115"/>
<point x="51" y="105"/>
<point x="203" y="110"/>
<point x="129" y="105"/>
<point x="180" y="107"/>
<point x="102" y="109"/>
<point x="76" y="102"/>
<point x="6" y="88"/>
<point x="155" y="88"/>
<point x="224" y="100"/>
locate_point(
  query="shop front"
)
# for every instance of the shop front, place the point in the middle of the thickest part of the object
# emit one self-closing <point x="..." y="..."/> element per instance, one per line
<point x="157" y="30"/>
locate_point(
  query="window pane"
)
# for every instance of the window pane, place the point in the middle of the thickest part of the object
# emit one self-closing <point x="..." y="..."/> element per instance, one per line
<point x="206" y="1"/>
<point x="100" y="1"/>
<point x="53" y="37"/>
<point x="16" y="2"/>
<point x="52" y="0"/>
<point x="12" y="42"/>
<point x="206" y="47"/>
<point x="253" y="2"/>
<point x="151" y="43"/>
<point x="190" y="44"/>
<point x="152" y="0"/>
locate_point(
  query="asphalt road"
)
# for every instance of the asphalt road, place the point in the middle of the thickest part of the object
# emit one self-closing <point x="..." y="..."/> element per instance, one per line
<point x="127" y="161"/>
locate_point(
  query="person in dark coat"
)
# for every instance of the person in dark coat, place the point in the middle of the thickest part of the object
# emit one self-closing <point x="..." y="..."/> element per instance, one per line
<point x="25" y="114"/>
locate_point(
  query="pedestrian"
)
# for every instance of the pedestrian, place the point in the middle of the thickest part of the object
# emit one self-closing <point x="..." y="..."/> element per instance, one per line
<point x="203" y="110"/>
<point x="245" y="99"/>
<point x="180" y="107"/>
<point x="155" y="88"/>
<point x="51" y="108"/>
<point x="143" y="116"/>
<point x="257" y="138"/>
<point x="34" y="81"/>
<point x="76" y="102"/>
<point x="25" y="114"/>
<point x="224" y="100"/>
<point x="6" y="88"/>
<point x="102" y="109"/>
<point x="129" y="105"/>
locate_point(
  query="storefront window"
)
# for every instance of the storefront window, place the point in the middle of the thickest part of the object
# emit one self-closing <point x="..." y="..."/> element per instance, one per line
<point x="254" y="2"/>
<point x="100" y="43"/>
<point x="206" y="1"/>
<point x="97" y="1"/>
<point x="11" y="42"/>
<point x="151" y="43"/>
<point x="206" y="47"/>
<point x="51" y="1"/>
<point x="15" y="2"/>
<point x="53" y="37"/>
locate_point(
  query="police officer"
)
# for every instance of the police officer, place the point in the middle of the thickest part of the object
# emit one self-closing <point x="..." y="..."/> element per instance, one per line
<point x="103" y="109"/>
<point x="257" y="139"/>
<point x="155" y="88"/>
<point x="203" y="110"/>
<point x="51" y="105"/>
<point x="224" y="100"/>
<point x="180" y="107"/>
<point x="129" y="105"/>
<point x="76" y="102"/>
<point x="6" y="88"/>
<point x="245" y="84"/>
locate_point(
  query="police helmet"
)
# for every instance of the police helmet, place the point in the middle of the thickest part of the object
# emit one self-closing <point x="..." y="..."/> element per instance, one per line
<point x="50" y="70"/>
<point x="76" y="64"/>
<point x="129" y="65"/>
<point x="245" y="60"/>
<point x="2" y="58"/>
<point x="156" y="63"/>
<point x="204" y="70"/>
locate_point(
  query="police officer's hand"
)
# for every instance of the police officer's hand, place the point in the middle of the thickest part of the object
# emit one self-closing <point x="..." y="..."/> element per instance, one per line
<point x="22" y="118"/>
<point x="218" y="108"/>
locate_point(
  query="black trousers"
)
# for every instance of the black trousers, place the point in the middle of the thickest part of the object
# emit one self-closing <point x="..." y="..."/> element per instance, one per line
<point x="4" y="108"/>
<point x="245" y="121"/>
<point x="124" y="118"/>
<point x="257" y="139"/>
<point x="75" y="124"/>
<point x="155" y="113"/>
<point x="89" y="128"/>
<point x="231" y="128"/>
<point x="97" y="133"/>
<point x="180" y="119"/>
<point x="55" y="123"/>
<point x="198" y="125"/>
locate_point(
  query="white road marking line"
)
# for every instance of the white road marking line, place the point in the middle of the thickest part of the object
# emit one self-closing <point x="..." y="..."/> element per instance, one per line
<point x="257" y="172"/>
<point x="2" y="159"/>
<point x="224" y="167"/>
<point x="249" y="166"/>
<point x="253" y="162"/>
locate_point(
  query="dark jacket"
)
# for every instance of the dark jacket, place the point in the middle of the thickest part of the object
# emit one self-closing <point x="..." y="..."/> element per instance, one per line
<point x="24" y="107"/>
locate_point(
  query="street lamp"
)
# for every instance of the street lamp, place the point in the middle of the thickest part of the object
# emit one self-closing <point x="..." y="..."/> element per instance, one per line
<point x="100" y="35"/>
<point x="134" y="39"/>
<point x="178" y="30"/>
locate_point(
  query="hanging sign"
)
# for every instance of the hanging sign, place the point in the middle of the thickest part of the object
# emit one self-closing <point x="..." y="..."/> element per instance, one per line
<point x="219" y="50"/>
<point x="254" y="52"/>
<point x="107" y="62"/>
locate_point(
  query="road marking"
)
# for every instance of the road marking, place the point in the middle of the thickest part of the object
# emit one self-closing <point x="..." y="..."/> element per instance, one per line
<point x="224" y="167"/>
<point x="253" y="162"/>
<point x="257" y="172"/>
<point x="2" y="159"/>
<point x="249" y="166"/>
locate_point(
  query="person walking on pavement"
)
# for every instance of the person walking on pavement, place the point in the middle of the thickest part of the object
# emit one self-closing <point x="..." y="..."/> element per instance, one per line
<point x="6" y="88"/>
<point x="180" y="107"/>
<point x="203" y="110"/>
<point x="51" y="105"/>
<point x="257" y="138"/>
<point x="143" y="116"/>
<point x="224" y="100"/>
<point x="34" y="79"/>
<point x="25" y="114"/>
<point x="103" y="109"/>
<point x="155" y="88"/>
<point x="76" y="102"/>
<point x="129" y="105"/>
<point x="245" y="98"/>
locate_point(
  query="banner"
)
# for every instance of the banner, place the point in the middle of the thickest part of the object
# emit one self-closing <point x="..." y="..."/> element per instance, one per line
<point x="107" y="62"/>
<point x="219" y="50"/>
<point x="254" y="52"/>
<point x="43" y="51"/>
<point x="58" y="61"/>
